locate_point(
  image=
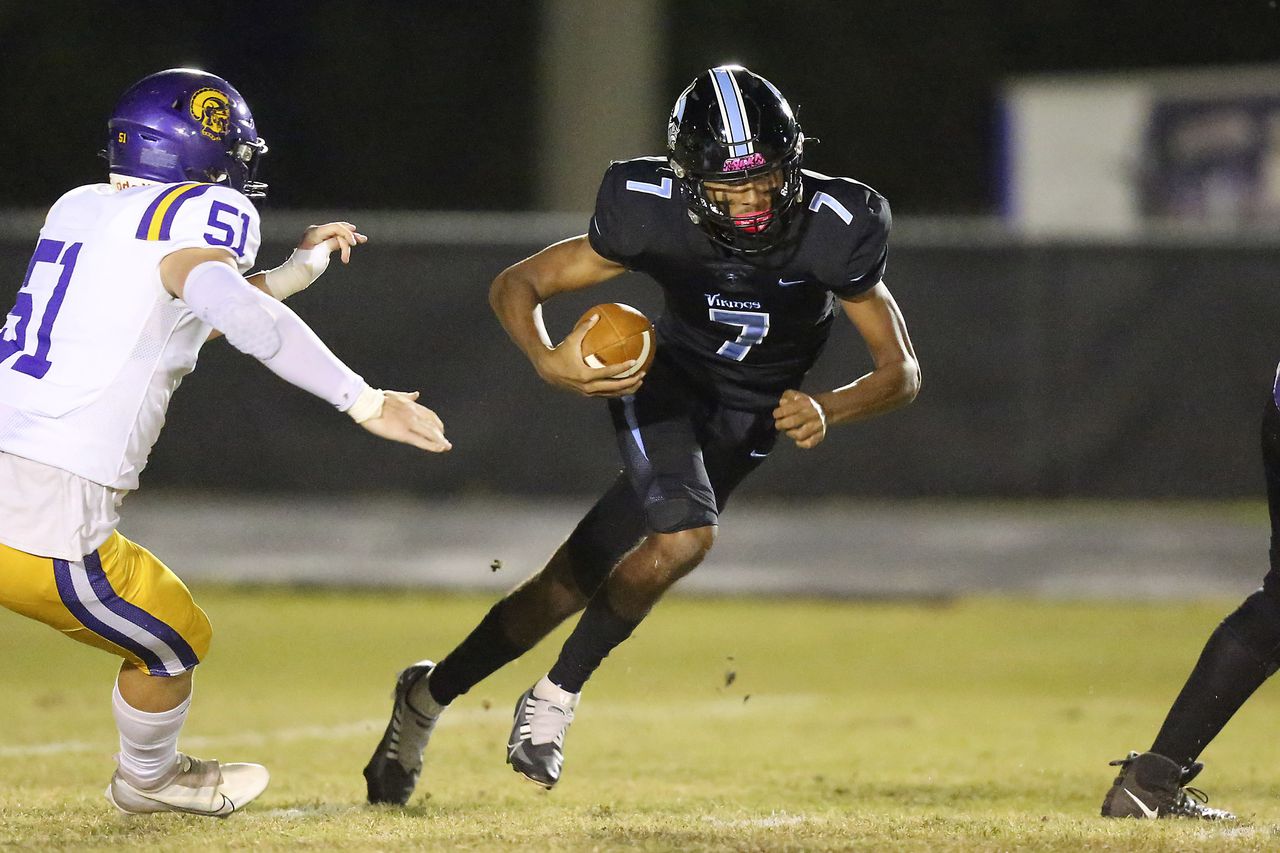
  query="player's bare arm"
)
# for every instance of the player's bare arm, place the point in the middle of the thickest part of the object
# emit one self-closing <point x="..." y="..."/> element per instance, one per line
<point x="893" y="383"/>
<point x="282" y="342"/>
<point x="517" y="295"/>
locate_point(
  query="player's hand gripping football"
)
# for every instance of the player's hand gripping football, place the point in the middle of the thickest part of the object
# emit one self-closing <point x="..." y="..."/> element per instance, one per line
<point x="800" y="418"/>
<point x="564" y="367"/>
<point x="408" y="422"/>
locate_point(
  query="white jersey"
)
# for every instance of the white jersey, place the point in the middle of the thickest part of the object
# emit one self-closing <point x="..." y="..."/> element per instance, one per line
<point x="94" y="346"/>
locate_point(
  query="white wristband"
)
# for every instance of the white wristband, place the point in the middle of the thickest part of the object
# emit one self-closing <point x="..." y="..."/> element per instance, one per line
<point x="296" y="274"/>
<point x="368" y="405"/>
<point x="822" y="415"/>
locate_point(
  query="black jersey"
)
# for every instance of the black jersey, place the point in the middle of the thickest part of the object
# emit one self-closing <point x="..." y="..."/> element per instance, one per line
<point x="744" y="328"/>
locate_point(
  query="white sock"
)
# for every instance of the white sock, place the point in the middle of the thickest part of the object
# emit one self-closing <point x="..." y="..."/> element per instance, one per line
<point x="417" y="725"/>
<point x="421" y="700"/>
<point x="148" y="742"/>
<point x="552" y="692"/>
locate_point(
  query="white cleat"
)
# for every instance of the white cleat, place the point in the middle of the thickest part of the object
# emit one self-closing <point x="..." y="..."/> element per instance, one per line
<point x="198" y="787"/>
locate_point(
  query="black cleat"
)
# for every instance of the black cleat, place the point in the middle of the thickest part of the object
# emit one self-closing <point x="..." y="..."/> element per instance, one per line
<point x="536" y="746"/>
<point x="393" y="771"/>
<point x="1151" y="786"/>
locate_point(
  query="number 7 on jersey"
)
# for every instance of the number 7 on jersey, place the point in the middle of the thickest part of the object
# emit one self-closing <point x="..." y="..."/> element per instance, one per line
<point x="754" y="325"/>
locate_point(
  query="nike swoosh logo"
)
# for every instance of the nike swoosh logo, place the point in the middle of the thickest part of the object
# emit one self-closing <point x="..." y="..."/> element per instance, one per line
<point x="756" y="454"/>
<point x="782" y="282"/>
<point x="1149" y="814"/>
<point x="225" y="809"/>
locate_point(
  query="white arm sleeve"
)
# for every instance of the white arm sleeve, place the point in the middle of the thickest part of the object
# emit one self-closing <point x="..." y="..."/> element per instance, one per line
<point x="257" y="325"/>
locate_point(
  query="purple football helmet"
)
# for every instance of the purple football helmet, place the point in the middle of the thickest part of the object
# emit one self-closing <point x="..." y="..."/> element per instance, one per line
<point x="186" y="125"/>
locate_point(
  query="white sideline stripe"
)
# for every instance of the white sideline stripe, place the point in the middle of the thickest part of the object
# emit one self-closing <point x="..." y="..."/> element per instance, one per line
<point x="304" y="733"/>
<point x="773" y="820"/>
<point x="1231" y="832"/>
<point x="729" y="705"/>
<point x="326" y="810"/>
<point x="50" y="749"/>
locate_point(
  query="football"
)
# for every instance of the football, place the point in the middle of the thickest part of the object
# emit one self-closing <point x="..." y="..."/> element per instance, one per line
<point x="622" y="333"/>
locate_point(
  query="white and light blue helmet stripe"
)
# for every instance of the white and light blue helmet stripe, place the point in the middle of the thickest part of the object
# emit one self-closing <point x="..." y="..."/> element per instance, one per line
<point x="733" y="112"/>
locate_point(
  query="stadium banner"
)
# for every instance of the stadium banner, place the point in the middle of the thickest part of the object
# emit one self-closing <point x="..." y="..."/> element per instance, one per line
<point x="1117" y="154"/>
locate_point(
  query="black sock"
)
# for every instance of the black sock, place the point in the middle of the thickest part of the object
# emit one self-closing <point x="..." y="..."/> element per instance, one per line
<point x="597" y="633"/>
<point x="485" y="650"/>
<point x="1226" y="674"/>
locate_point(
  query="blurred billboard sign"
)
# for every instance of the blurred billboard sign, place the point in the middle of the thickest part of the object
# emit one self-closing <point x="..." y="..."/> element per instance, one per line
<point x="1099" y="155"/>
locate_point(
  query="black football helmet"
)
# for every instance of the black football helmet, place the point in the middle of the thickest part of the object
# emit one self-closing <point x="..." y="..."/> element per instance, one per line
<point x="732" y="125"/>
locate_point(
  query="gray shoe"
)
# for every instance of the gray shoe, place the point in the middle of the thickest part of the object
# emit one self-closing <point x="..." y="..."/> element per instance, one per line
<point x="393" y="771"/>
<point x="196" y="787"/>
<point x="1151" y="786"/>
<point x="536" y="746"/>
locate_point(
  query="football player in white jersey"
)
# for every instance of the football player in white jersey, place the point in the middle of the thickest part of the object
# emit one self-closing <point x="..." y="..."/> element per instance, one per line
<point x="127" y="281"/>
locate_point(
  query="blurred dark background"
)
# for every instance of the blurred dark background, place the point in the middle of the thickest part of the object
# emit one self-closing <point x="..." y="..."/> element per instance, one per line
<point x="434" y="105"/>
<point x="1053" y="368"/>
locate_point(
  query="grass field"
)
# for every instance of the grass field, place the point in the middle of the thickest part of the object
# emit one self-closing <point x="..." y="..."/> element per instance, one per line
<point x="982" y="724"/>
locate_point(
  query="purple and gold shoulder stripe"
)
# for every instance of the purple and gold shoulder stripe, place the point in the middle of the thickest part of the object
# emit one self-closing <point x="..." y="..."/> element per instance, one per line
<point x="158" y="219"/>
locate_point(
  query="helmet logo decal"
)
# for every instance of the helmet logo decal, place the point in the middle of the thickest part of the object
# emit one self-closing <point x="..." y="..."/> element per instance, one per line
<point x="733" y="112"/>
<point x="739" y="164"/>
<point x="212" y="109"/>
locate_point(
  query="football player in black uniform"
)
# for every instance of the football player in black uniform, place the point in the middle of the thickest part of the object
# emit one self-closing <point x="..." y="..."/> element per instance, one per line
<point x="1241" y="653"/>
<point x="755" y="258"/>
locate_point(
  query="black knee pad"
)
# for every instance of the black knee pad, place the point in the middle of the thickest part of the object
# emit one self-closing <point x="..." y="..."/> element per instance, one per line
<point x="671" y="515"/>
<point x="1256" y="623"/>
